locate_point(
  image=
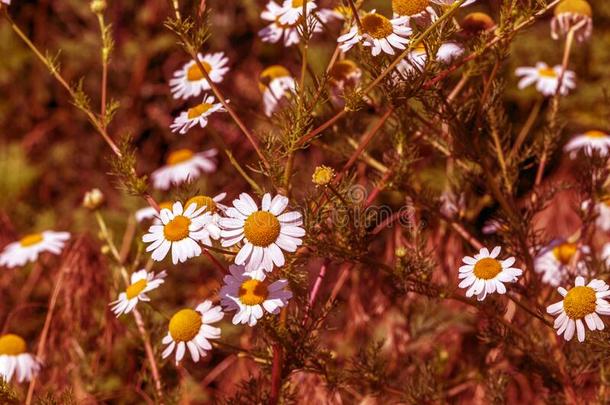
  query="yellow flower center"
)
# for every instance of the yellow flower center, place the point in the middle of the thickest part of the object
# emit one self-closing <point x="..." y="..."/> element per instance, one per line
<point x="580" y="7"/>
<point x="185" y="325"/>
<point x="253" y="292"/>
<point x="179" y="156"/>
<point x="322" y="175"/>
<point x="579" y="301"/>
<point x="596" y="134"/>
<point x="420" y="49"/>
<point x="177" y="229"/>
<point x="376" y="25"/>
<point x="12" y="345"/>
<point x="199" y="110"/>
<point x="487" y="268"/>
<point x="297" y="3"/>
<point x="136" y="288"/>
<point x="476" y="22"/>
<point x="202" y="201"/>
<point x="261" y="228"/>
<point x="270" y="74"/>
<point x="564" y="252"/>
<point x="409" y="7"/>
<point x="194" y="74"/>
<point x="31" y="239"/>
<point x="547" y="72"/>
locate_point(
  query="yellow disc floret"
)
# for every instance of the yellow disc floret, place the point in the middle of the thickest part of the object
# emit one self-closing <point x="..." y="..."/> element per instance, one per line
<point x="271" y="73"/>
<point x="596" y="134"/>
<point x="322" y="175"/>
<point x="409" y="7"/>
<point x="580" y="7"/>
<point x="31" y="239"/>
<point x="376" y="25"/>
<point x="194" y="74"/>
<point x="199" y="110"/>
<point x="177" y="229"/>
<point x="253" y="292"/>
<point x="185" y="325"/>
<point x="136" y="288"/>
<point x="564" y="252"/>
<point x="179" y="156"/>
<point x="579" y="302"/>
<point x="261" y="228"/>
<point x="202" y="201"/>
<point x="12" y="345"/>
<point x="547" y="72"/>
<point x="487" y="268"/>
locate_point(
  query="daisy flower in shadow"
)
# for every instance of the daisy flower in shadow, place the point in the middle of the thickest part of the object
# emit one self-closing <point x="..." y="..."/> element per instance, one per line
<point x="546" y="79"/>
<point x="141" y="282"/>
<point x="554" y="261"/>
<point x="569" y="14"/>
<point x="416" y="60"/>
<point x="377" y="32"/>
<point x="189" y="81"/>
<point x="184" y="165"/>
<point x="589" y="142"/>
<point x="276" y="84"/>
<point x="292" y="10"/>
<point x="15" y="360"/>
<point x="197" y="115"/>
<point x="28" y="248"/>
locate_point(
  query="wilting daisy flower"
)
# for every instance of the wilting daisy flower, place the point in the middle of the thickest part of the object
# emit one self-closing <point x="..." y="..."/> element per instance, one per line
<point x="418" y="57"/>
<point x="183" y="165"/>
<point x="483" y="274"/>
<point x="30" y="246"/>
<point x="149" y="212"/>
<point x="546" y="79"/>
<point x="265" y="232"/>
<point x="588" y="142"/>
<point x="292" y="10"/>
<point x="189" y="80"/>
<point x="578" y="304"/>
<point x="212" y="205"/>
<point x="344" y="76"/>
<point x="192" y="329"/>
<point x="277" y="30"/>
<point x="378" y="32"/>
<point x="14" y="359"/>
<point x="180" y="229"/>
<point x="275" y="83"/>
<point x="141" y="283"/>
<point x="554" y="260"/>
<point x="249" y="295"/>
<point x="196" y="115"/>
<point x="570" y="13"/>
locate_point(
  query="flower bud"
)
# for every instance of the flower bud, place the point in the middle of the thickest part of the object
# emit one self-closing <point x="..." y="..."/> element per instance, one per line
<point x="93" y="199"/>
<point x="98" y="6"/>
<point x="323" y="175"/>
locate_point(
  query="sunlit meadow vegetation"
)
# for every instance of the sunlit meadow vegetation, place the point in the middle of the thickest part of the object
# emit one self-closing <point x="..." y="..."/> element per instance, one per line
<point x="304" y="202"/>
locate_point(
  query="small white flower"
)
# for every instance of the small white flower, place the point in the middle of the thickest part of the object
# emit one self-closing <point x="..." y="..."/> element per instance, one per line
<point x="418" y="57"/>
<point x="292" y="10"/>
<point x="192" y="329"/>
<point x="570" y="13"/>
<point x="196" y="115"/>
<point x="578" y="304"/>
<point x="211" y="230"/>
<point x="14" y="359"/>
<point x="180" y="230"/>
<point x="189" y="80"/>
<point x="546" y="79"/>
<point x="588" y="142"/>
<point x="141" y="283"/>
<point x="184" y="165"/>
<point x="378" y="32"/>
<point x="276" y="31"/>
<point x="483" y="274"/>
<point x="30" y="246"/>
<point x="265" y="233"/>
<point x="554" y="261"/>
<point x="249" y="295"/>
<point x="276" y="84"/>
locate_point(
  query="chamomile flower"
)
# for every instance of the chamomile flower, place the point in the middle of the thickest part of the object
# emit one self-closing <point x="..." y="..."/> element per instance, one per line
<point x="196" y="115"/>
<point x="588" y="142"/>
<point x="277" y="31"/>
<point x="418" y="57"/>
<point x="546" y="79"/>
<point x="420" y="11"/>
<point x="570" y="13"/>
<point x="212" y="205"/>
<point x="484" y="274"/>
<point x="15" y="360"/>
<point x="263" y="233"/>
<point x="30" y="246"/>
<point x="249" y="295"/>
<point x="276" y="84"/>
<point x="292" y="10"/>
<point x="580" y="305"/>
<point x="554" y="260"/>
<point x="184" y="165"/>
<point x="151" y="213"/>
<point x="192" y="329"/>
<point x="141" y="282"/>
<point x="377" y="32"/>
<point x="180" y="229"/>
<point x="189" y="81"/>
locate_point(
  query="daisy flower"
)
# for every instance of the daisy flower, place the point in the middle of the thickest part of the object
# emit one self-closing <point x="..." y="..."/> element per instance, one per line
<point x="30" y="246"/>
<point x="14" y="359"/>
<point x="141" y="283"/>
<point x="183" y="165"/>
<point x="265" y="233"/>
<point x="276" y="84"/>
<point x="149" y="212"/>
<point x="212" y="205"/>
<point x="420" y="11"/>
<point x="484" y="274"/>
<point x="276" y="31"/>
<point x="196" y="115"/>
<point x="554" y="260"/>
<point x="588" y="142"/>
<point x="179" y="231"/>
<point x="192" y="329"/>
<point x="378" y="32"/>
<point x="292" y="10"/>
<point x="189" y="80"/>
<point x="546" y="79"/>
<point x="570" y="13"/>
<point x="249" y="295"/>
<point x="418" y="57"/>
<point x="578" y="304"/>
